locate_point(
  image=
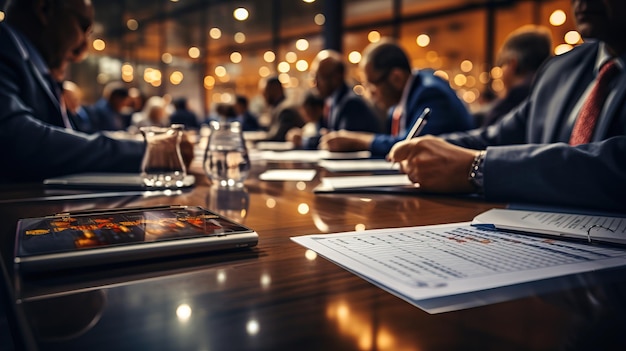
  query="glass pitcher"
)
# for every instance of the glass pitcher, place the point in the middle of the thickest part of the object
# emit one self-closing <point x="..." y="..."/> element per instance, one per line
<point x="162" y="164"/>
<point x="226" y="160"/>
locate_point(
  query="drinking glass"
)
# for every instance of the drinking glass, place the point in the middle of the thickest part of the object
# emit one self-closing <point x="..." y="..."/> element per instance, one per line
<point x="162" y="164"/>
<point x="226" y="160"/>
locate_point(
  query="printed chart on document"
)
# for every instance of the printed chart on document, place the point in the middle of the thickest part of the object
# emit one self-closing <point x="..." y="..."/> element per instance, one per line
<point x="435" y="261"/>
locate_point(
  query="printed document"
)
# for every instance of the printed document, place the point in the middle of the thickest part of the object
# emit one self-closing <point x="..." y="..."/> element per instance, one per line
<point x="420" y="264"/>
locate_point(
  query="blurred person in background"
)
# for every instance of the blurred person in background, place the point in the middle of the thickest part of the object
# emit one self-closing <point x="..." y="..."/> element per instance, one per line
<point x="249" y="122"/>
<point x="183" y="115"/>
<point x="343" y="110"/>
<point x="109" y="112"/>
<point x="521" y="55"/>
<point x="284" y="114"/>
<point x="153" y="114"/>
<point x="77" y="113"/>
<point x="313" y="113"/>
<point x="405" y="93"/>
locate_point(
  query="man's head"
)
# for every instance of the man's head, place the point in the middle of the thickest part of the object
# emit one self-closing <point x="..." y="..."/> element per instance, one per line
<point x="602" y="20"/>
<point x="329" y="70"/>
<point x="312" y="107"/>
<point x="523" y="51"/>
<point x="117" y="95"/>
<point x="273" y="91"/>
<point x="57" y="28"/>
<point x="180" y="104"/>
<point x="241" y="104"/>
<point x="387" y="69"/>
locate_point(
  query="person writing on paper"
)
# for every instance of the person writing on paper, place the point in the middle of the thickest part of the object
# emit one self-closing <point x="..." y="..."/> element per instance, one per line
<point x="565" y="145"/>
<point x="38" y="40"/>
<point x="405" y="94"/>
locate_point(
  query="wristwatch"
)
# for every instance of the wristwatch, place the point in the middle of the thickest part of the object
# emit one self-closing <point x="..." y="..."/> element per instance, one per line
<point x="476" y="171"/>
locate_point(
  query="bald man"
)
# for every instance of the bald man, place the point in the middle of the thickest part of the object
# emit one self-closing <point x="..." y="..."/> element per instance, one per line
<point x="38" y="40"/>
<point x="344" y="109"/>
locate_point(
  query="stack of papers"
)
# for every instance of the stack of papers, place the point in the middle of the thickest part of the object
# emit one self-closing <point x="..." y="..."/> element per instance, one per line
<point x="393" y="182"/>
<point x="304" y="175"/>
<point x="365" y="165"/>
<point x="309" y="156"/>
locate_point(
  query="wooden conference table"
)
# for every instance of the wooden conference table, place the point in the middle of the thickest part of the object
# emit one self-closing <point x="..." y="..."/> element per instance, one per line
<point x="275" y="296"/>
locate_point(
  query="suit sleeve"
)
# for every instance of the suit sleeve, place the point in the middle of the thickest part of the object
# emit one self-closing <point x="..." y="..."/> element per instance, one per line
<point x="34" y="150"/>
<point x="447" y="114"/>
<point x="358" y="117"/>
<point x="287" y="118"/>
<point x="591" y="175"/>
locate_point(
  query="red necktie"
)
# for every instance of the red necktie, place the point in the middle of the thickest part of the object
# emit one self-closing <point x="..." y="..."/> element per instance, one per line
<point x="592" y="107"/>
<point x="395" y="121"/>
<point x="327" y="111"/>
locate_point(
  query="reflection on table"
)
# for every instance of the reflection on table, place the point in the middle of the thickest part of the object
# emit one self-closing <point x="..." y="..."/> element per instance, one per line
<point x="280" y="296"/>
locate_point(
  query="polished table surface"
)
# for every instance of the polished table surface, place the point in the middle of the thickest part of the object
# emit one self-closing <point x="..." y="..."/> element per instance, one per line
<point x="276" y="296"/>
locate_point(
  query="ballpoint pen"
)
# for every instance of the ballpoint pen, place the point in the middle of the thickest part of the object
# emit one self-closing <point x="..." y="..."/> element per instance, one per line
<point x="418" y="126"/>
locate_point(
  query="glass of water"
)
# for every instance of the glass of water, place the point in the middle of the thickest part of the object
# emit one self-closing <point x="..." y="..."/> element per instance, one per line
<point x="226" y="160"/>
<point x="163" y="165"/>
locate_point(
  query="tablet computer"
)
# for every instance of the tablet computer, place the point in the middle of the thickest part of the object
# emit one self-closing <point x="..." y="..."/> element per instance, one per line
<point x="96" y="238"/>
<point x="107" y="181"/>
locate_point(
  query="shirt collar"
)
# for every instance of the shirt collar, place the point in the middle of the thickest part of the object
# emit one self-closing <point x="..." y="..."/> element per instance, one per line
<point x="604" y="56"/>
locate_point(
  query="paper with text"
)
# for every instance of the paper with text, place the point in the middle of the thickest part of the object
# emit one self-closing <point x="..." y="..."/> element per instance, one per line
<point x="419" y="263"/>
<point x="600" y="228"/>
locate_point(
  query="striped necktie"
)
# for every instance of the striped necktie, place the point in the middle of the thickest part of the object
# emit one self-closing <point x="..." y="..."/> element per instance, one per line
<point x="592" y="107"/>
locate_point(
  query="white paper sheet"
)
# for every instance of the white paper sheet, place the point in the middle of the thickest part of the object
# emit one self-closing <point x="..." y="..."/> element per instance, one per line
<point x="425" y="263"/>
<point x="367" y="165"/>
<point x="601" y="228"/>
<point x="311" y="156"/>
<point x="366" y="181"/>
<point x="275" y="145"/>
<point x="304" y="175"/>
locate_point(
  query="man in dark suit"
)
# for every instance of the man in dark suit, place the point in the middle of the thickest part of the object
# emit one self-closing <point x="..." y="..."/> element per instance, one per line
<point x="183" y="115"/>
<point x="405" y="94"/>
<point x="108" y="112"/>
<point x="344" y="110"/>
<point x="565" y="145"/>
<point x="283" y="114"/>
<point x="521" y="55"/>
<point x="38" y="40"/>
<point x="249" y="122"/>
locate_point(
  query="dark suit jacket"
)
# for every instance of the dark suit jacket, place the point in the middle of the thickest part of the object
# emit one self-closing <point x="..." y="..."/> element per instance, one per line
<point x="249" y="122"/>
<point x="105" y="118"/>
<point x="284" y="117"/>
<point x="185" y="117"/>
<point x="528" y="158"/>
<point x="448" y="114"/>
<point x="515" y="96"/>
<point x="349" y="112"/>
<point x="34" y="142"/>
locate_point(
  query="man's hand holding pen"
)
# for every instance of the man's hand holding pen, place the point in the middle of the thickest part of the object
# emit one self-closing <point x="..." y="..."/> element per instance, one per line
<point x="435" y="164"/>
